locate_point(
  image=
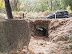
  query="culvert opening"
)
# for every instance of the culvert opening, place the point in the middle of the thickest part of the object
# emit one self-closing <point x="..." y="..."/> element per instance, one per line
<point x="41" y="32"/>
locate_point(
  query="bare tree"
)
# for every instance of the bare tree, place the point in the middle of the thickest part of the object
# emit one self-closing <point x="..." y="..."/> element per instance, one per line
<point x="8" y="9"/>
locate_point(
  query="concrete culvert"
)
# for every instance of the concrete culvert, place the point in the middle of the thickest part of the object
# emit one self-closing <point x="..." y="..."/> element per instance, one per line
<point x="41" y="31"/>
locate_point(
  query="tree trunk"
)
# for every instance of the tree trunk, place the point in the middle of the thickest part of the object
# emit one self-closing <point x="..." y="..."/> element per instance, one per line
<point x="8" y="9"/>
<point x="15" y="5"/>
<point x="71" y="6"/>
<point x="55" y="4"/>
<point x="51" y="5"/>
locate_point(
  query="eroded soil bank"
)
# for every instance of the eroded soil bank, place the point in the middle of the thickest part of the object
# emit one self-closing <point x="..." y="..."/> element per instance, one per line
<point x="59" y="40"/>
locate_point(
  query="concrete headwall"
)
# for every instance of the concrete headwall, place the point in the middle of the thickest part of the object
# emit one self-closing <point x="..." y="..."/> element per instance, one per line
<point x="13" y="34"/>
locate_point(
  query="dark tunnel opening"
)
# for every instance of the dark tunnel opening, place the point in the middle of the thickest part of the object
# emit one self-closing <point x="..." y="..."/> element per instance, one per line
<point x="41" y="32"/>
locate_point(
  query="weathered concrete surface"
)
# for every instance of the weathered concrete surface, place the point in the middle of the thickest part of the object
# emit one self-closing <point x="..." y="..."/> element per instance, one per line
<point x="13" y="34"/>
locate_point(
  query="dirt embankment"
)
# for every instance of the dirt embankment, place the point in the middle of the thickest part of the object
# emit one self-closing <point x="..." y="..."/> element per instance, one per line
<point x="59" y="40"/>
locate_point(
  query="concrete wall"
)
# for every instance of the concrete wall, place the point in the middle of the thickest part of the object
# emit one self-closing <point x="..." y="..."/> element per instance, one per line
<point x="13" y="34"/>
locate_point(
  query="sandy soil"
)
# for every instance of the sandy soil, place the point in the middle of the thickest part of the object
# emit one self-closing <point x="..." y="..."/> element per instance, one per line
<point x="59" y="40"/>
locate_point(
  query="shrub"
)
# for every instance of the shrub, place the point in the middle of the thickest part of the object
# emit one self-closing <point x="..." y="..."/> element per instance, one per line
<point x="69" y="9"/>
